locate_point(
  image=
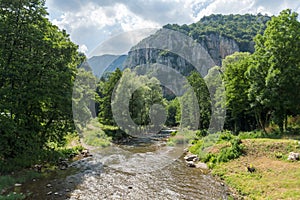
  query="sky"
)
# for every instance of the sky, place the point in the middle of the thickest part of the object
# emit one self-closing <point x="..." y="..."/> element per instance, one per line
<point x="91" y="23"/>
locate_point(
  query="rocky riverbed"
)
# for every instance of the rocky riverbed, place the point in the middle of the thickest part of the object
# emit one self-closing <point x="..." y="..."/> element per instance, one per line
<point x="95" y="178"/>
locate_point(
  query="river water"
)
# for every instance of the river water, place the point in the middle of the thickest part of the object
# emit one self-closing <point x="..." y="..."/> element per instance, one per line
<point x="141" y="169"/>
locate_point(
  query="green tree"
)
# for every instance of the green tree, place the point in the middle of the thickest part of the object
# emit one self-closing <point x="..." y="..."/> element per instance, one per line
<point x="84" y="97"/>
<point x="278" y="64"/>
<point x="37" y="67"/>
<point x="134" y="97"/>
<point x="173" y="110"/>
<point x="215" y="85"/>
<point x="203" y="98"/>
<point x="237" y="85"/>
<point x="105" y="91"/>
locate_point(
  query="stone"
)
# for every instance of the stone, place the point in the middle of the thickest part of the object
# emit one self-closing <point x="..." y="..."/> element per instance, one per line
<point x="294" y="156"/>
<point x="251" y="169"/>
<point x="49" y="185"/>
<point x="38" y="168"/>
<point x="49" y="193"/>
<point x="201" y="165"/>
<point x="18" y="185"/>
<point x="190" y="157"/>
<point x="191" y="164"/>
<point x="85" y="153"/>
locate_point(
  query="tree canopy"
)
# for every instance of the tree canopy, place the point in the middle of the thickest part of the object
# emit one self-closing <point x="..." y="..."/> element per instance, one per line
<point x="37" y="67"/>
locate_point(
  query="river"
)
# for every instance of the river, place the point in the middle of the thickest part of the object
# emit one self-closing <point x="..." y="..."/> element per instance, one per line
<point x="131" y="171"/>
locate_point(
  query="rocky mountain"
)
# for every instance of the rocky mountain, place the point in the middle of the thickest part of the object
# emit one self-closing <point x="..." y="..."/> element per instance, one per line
<point x="217" y="36"/>
<point x="98" y="64"/>
<point x="101" y="65"/>
<point x="117" y="63"/>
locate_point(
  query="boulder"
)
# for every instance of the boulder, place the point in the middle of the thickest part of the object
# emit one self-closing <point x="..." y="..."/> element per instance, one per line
<point x="86" y="153"/>
<point x="38" y="168"/>
<point x="294" y="156"/>
<point x="190" y="164"/>
<point x="201" y="165"/>
<point x="190" y="157"/>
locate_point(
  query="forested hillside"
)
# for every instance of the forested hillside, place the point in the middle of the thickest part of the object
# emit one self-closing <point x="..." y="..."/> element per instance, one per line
<point x="219" y="35"/>
<point x="241" y="28"/>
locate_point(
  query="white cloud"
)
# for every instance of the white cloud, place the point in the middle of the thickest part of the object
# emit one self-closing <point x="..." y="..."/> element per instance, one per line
<point x="83" y="48"/>
<point x="269" y="7"/>
<point x="90" y="22"/>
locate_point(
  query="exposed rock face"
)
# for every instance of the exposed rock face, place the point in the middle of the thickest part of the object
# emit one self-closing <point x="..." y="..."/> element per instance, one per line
<point x="219" y="47"/>
<point x="205" y="54"/>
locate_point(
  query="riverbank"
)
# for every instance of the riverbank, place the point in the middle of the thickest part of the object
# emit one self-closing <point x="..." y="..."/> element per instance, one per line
<point x="14" y="176"/>
<point x="270" y="175"/>
<point x="91" y="177"/>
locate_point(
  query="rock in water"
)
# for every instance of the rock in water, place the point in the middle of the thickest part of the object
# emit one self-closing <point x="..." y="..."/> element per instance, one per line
<point x="294" y="156"/>
<point x="191" y="164"/>
<point x="190" y="157"/>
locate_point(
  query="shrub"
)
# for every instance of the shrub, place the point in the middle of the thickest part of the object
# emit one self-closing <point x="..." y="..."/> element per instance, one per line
<point x="201" y="133"/>
<point x="197" y="147"/>
<point x="226" y="136"/>
<point x="173" y="133"/>
<point x="233" y="150"/>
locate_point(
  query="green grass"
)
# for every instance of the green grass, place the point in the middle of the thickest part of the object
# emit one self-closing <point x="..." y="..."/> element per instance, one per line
<point x="274" y="178"/>
<point x="22" y="164"/>
<point x="228" y="155"/>
<point x="181" y="137"/>
<point x="8" y="181"/>
<point x="217" y="148"/>
<point x="94" y="135"/>
<point x="12" y="196"/>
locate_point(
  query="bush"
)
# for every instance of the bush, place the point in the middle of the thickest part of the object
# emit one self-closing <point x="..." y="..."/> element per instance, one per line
<point x="201" y="133"/>
<point x="226" y="136"/>
<point x="197" y="148"/>
<point x="233" y="150"/>
<point x="173" y="133"/>
<point x="251" y="135"/>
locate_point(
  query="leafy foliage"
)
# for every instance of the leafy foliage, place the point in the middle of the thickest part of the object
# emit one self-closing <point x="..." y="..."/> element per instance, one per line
<point x="241" y="28"/>
<point x="227" y="147"/>
<point x="203" y="98"/>
<point x="238" y="108"/>
<point x="37" y="66"/>
<point x="105" y="91"/>
<point x="276" y="70"/>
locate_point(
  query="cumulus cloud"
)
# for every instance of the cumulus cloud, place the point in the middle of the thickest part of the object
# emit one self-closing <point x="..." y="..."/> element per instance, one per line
<point x="83" y="48"/>
<point x="269" y="7"/>
<point x="91" y="22"/>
